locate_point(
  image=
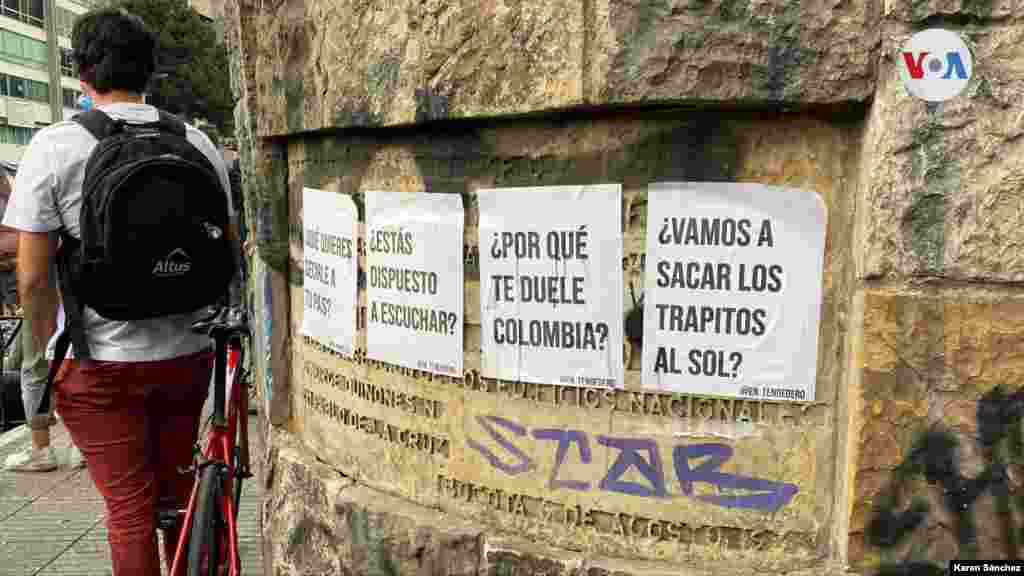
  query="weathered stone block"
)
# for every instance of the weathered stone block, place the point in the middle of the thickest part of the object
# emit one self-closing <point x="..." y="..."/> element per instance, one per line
<point x="340" y="64"/>
<point x="731" y="51"/>
<point x="983" y="10"/>
<point x="318" y="521"/>
<point x="941" y="193"/>
<point x="355" y="63"/>
<point x="926" y="361"/>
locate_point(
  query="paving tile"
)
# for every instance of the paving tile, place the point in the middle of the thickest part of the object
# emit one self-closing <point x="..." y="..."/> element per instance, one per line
<point x="29" y="485"/>
<point x="10" y="505"/>
<point x="52" y="524"/>
<point x="26" y="486"/>
<point x="24" y="558"/>
<point x="89" y="556"/>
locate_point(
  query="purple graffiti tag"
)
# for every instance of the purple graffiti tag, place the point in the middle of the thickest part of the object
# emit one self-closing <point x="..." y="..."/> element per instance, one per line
<point x="771" y="496"/>
<point x="630" y="457"/>
<point x="565" y="439"/>
<point x="524" y="464"/>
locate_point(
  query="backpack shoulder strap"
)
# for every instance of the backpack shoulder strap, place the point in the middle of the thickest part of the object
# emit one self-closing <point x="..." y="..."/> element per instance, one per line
<point x="74" y="311"/>
<point x="98" y="123"/>
<point x="171" y="123"/>
<point x="60" y="352"/>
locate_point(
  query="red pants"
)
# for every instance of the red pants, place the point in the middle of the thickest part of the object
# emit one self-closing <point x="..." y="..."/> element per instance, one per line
<point x="136" y="423"/>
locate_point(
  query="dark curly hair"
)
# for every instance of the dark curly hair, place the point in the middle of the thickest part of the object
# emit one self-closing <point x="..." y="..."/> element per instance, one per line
<point x="113" y="50"/>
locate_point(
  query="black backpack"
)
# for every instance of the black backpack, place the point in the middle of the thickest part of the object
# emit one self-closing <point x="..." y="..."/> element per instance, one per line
<point x="154" y="229"/>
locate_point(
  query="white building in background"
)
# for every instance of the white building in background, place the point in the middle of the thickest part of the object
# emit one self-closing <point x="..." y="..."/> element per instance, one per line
<point x="25" y="73"/>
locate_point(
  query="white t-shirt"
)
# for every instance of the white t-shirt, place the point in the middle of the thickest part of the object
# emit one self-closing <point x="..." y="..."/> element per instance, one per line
<point x="50" y="176"/>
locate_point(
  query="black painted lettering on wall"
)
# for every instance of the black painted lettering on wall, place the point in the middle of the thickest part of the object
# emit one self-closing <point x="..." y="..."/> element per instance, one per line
<point x="580" y="517"/>
<point x="555" y="290"/>
<point x="359" y="358"/>
<point x="416" y="319"/>
<point x="669" y="405"/>
<point x="318" y="276"/>
<point x="345" y="416"/>
<point x="383" y="396"/>
<point x="696" y="274"/>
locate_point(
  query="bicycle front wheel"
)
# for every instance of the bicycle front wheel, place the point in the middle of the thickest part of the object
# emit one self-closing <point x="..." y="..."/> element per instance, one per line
<point x="205" y="549"/>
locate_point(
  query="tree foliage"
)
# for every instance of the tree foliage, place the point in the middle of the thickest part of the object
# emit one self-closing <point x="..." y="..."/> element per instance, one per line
<point x="193" y="76"/>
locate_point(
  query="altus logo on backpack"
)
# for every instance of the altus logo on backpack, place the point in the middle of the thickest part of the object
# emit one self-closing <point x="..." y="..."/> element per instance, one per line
<point x="177" y="263"/>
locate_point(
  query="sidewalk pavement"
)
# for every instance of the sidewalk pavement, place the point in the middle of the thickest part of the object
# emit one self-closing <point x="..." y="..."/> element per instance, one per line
<point x="53" y="523"/>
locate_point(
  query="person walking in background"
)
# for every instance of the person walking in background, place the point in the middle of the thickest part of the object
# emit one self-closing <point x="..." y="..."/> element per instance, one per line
<point x="132" y="392"/>
<point x="8" y="245"/>
<point x="28" y="360"/>
<point x="34" y="367"/>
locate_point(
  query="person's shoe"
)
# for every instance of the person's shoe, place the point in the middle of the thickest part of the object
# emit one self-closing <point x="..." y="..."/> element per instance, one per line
<point x="32" y="460"/>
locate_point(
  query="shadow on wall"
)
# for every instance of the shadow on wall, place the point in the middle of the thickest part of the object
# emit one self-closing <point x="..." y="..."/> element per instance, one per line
<point x="901" y="517"/>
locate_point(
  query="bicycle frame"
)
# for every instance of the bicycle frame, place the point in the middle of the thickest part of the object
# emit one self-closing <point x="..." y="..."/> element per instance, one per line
<point x="219" y="451"/>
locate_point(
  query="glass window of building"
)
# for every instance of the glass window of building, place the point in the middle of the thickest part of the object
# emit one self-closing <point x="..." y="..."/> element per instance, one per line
<point x="38" y="91"/>
<point x="23" y="50"/>
<point x="36" y="10"/>
<point x="18" y="135"/>
<point x="67" y="65"/>
<point x="34" y="50"/>
<point x="11" y="9"/>
<point x="17" y="86"/>
<point x="12" y="45"/>
<point x="70" y="98"/>
<point x="23" y="135"/>
<point x="27" y="11"/>
<point x="65" y="21"/>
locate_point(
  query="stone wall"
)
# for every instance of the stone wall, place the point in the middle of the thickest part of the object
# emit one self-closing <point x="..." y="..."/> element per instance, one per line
<point x="921" y="315"/>
<point x="344" y="63"/>
<point x="940" y="270"/>
<point x="779" y="442"/>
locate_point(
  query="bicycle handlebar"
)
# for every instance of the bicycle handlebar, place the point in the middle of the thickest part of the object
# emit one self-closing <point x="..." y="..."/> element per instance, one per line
<point x="222" y="325"/>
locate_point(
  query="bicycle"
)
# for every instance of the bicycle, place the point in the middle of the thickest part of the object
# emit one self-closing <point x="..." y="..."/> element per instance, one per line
<point x="208" y="538"/>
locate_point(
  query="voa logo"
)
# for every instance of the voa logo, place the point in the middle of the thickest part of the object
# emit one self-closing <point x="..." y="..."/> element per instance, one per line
<point x="935" y="65"/>
<point x="176" y="263"/>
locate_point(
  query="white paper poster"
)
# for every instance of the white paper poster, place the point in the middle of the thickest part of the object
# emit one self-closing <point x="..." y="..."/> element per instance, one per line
<point x="551" y="284"/>
<point x="331" y="268"/>
<point x="733" y="290"/>
<point x="414" y="280"/>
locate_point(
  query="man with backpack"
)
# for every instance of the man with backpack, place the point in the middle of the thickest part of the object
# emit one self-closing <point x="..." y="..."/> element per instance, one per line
<point x="140" y="204"/>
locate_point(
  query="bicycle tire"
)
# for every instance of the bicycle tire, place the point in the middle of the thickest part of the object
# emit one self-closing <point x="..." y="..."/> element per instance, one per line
<point x="237" y="484"/>
<point x="206" y="525"/>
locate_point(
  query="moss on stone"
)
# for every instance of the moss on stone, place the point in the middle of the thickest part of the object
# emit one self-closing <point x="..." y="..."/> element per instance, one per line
<point x="926" y="222"/>
<point x="295" y="102"/>
<point x="980" y="8"/>
<point x="356" y="114"/>
<point x="731" y="10"/>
